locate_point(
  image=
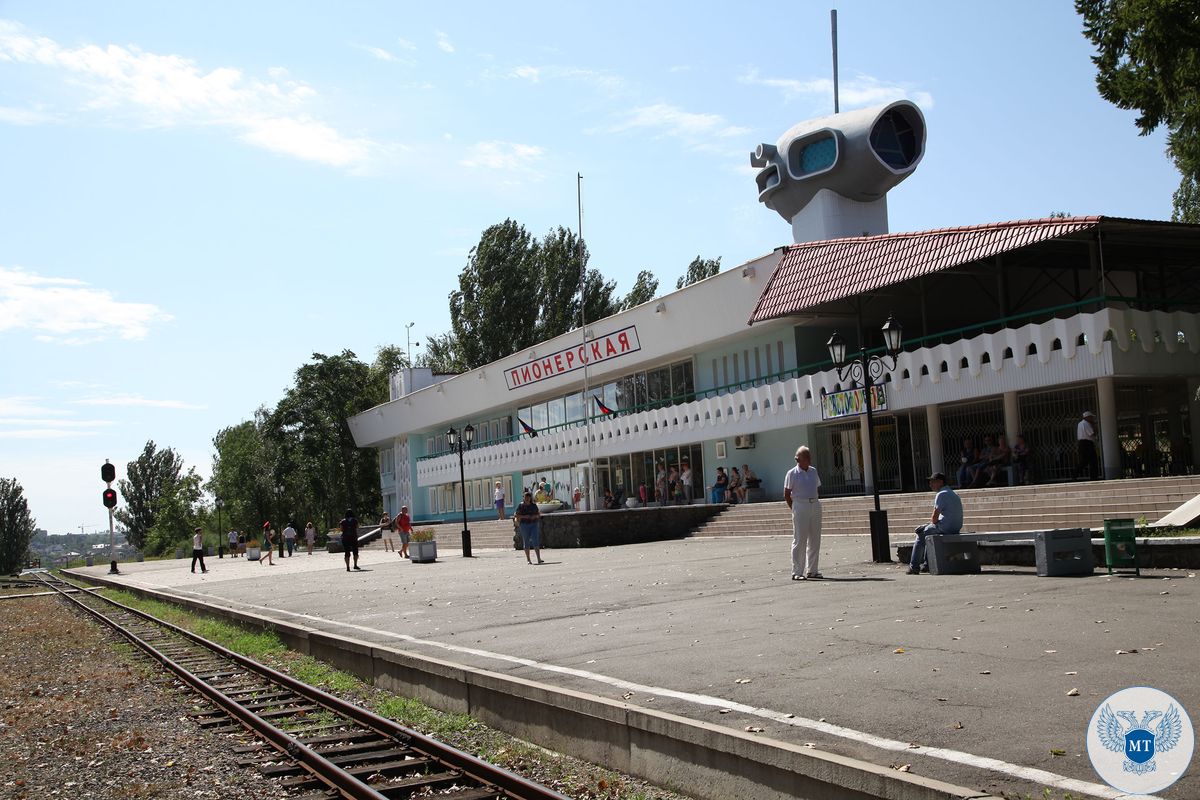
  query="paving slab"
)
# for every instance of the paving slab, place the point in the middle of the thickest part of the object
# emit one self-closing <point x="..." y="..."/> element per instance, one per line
<point x="966" y="678"/>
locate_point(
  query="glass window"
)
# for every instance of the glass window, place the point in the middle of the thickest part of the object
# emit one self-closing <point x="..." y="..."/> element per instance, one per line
<point x="610" y="397"/>
<point x="525" y="414"/>
<point x="625" y="398"/>
<point x="574" y="404"/>
<point x="641" y="392"/>
<point x="683" y="388"/>
<point x="556" y="411"/>
<point x="506" y="427"/>
<point x="539" y="414"/>
<point x="659" y="385"/>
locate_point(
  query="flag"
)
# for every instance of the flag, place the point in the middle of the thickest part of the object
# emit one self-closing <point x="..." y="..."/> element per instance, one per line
<point x="528" y="430"/>
<point x="603" y="408"/>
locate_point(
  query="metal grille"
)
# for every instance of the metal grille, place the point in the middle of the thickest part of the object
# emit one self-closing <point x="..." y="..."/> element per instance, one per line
<point x="887" y="453"/>
<point x="1154" y="430"/>
<point x="1048" y="421"/>
<point x="968" y="421"/>
<point x="838" y="456"/>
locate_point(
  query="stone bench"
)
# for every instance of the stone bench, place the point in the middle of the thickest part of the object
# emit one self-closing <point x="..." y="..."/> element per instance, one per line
<point x="1064" y="551"/>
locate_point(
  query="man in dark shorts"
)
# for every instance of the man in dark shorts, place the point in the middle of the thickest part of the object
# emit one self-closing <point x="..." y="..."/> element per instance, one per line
<point x="350" y="538"/>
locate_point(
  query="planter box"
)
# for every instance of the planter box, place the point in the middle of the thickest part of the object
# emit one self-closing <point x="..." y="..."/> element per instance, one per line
<point x="253" y="554"/>
<point x="422" y="552"/>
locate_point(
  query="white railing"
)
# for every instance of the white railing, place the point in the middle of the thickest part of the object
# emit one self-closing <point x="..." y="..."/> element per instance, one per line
<point x="994" y="363"/>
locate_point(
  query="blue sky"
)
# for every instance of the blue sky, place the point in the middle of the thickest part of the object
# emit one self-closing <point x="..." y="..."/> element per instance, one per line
<point x="194" y="197"/>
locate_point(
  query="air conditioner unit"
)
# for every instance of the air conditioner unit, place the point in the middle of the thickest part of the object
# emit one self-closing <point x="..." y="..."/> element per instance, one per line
<point x="744" y="442"/>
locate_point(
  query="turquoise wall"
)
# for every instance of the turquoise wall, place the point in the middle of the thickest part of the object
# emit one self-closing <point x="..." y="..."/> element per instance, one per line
<point x="772" y="456"/>
<point x="745" y="349"/>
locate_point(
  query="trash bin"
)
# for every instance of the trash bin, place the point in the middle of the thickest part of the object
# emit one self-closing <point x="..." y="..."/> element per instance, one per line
<point x="1120" y="545"/>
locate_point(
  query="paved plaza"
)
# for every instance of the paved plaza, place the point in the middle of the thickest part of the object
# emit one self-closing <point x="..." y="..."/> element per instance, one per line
<point x="967" y="678"/>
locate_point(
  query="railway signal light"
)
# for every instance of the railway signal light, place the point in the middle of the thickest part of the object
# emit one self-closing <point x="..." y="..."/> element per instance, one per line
<point x="108" y="472"/>
<point x="110" y="498"/>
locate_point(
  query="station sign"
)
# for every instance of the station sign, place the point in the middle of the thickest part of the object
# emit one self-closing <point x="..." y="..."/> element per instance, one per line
<point x="603" y="348"/>
<point x="852" y="402"/>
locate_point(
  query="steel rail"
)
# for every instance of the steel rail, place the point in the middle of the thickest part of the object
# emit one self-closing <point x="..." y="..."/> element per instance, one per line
<point x="321" y="768"/>
<point x="485" y="773"/>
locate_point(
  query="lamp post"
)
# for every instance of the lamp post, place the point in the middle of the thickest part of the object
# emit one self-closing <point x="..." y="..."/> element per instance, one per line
<point x="457" y="443"/>
<point x="279" y="521"/>
<point x="220" y="533"/>
<point x="868" y="369"/>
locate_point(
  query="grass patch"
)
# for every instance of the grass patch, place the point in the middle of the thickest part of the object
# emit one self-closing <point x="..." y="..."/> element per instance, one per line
<point x="570" y="776"/>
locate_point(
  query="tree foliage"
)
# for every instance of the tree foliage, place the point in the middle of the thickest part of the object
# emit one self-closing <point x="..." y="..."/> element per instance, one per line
<point x="16" y="526"/>
<point x="149" y="477"/>
<point x="516" y="291"/>
<point x="1148" y="59"/>
<point x="176" y="513"/>
<point x="643" y="291"/>
<point x="298" y="461"/>
<point x="698" y="270"/>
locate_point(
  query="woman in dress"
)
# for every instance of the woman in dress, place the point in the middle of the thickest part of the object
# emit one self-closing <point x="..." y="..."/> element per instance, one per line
<point x="734" y="491"/>
<point x="310" y="536"/>
<point x="498" y="499"/>
<point x="268" y="543"/>
<point x="388" y="531"/>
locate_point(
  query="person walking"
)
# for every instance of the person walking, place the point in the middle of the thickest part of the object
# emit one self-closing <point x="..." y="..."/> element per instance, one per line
<point x="947" y="519"/>
<point x="310" y="536"/>
<point x="268" y="544"/>
<point x="387" y="530"/>
<point x="198" y="550"/>
<point x="660" y="484"/>
<point x="289" y="538"/>
<point x="498" y="500"/>
<point x="800" y="487"/>
<point x="685" y="478"/>
<point x="404" y="525"/>
<point x="1085" y="443"/>
<point x="233" y="543"/>
<point x="528" y="518"/>
<point x="349" y="527"/>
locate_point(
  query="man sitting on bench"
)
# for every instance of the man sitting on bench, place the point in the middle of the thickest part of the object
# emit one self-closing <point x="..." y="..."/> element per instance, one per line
<point x="947" y="519"/>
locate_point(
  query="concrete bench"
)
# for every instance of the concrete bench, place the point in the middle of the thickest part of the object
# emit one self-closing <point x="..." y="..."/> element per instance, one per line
<point x="1064" y="551"/>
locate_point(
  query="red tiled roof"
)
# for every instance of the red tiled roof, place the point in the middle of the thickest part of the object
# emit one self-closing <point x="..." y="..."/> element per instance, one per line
<point x="814" y="273"/>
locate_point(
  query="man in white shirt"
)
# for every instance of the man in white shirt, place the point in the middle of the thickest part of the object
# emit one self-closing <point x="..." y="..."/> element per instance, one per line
<point x="1085" y="442"/>
<point x="289" y="537"/>
<point x="234" y="550"/>
<point x="800" y="486"/>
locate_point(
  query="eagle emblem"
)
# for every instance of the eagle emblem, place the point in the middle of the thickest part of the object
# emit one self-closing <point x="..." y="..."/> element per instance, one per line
<point x="1136" y="739"/>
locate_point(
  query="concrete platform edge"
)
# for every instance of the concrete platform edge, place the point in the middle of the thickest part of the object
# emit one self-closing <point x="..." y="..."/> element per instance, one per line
<point x="697" y="758"/>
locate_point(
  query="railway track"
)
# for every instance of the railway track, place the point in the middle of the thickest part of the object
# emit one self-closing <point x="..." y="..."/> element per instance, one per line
<point x="315" y="744"/>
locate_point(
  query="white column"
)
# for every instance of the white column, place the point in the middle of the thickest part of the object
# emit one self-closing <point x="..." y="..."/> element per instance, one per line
<point x="933" y="423"/>
<point x="868" y="486"/>
<point x="1109" y="444"/>
<point x="1012" y="417"/>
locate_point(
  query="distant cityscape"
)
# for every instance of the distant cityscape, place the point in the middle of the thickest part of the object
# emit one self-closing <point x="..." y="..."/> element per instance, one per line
<point x="50" y="548"/>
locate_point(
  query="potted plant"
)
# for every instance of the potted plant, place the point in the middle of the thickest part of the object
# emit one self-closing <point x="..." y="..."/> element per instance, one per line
<point x="253" y="553"/>
<point x="422" y="547"/>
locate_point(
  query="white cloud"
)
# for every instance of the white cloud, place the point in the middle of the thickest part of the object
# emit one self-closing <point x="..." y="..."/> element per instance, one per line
<point x="528" y="73"/>
<point x="859" y="91"/>
<point x="671" y="120"/>
<point x="62" y="423"/>
<point x="508" y="156"/>
<point x="143" y="88"/>
<point x="23" y="116"/>
<point x="25" y="406"/>
<point x="405" y="44"/>
<point x="444" y="44"/>
<point x="69" y="311"/>
<point x="378" y="52"/>
<point x="135" y="400"/>
<point x="45" y="433"/>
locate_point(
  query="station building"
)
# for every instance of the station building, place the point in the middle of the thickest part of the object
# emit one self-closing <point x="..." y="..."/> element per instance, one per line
<point x="1008" y="328"/>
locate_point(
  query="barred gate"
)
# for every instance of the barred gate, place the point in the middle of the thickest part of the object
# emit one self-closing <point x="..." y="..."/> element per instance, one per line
<point x="972" y="421"/>
<point x="1048" y="421"/>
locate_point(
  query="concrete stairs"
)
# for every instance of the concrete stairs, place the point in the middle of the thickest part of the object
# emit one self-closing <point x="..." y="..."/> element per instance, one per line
<point x="1065" y="505"/>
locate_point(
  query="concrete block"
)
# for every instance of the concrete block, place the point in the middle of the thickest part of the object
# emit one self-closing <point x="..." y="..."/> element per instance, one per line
<point x="1064" y="552"/>
<point x="440" y="684"/>
<point x="949" y="556"/>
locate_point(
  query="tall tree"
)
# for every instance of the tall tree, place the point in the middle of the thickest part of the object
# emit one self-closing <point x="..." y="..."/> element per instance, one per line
<point x="241" y="475"/>
<point x="1148" y="59"/>
<point x="16" y="526"/>
<point x="698" y="270"/>
<point x="558" y="258"/>
<point x="148" y="478"/>
<point x="441" y="355"/>
<point x="175" y="514"/>
<point x="643" y="291"/>
<point x="598" y="301"/>
<point x="494" y="311"/>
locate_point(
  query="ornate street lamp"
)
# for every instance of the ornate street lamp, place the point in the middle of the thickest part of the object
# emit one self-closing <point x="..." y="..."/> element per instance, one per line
<point x="457" y="443"/>
<point x="279" y="522"/>
<point x="868" y="369"/>
<point x="220" y="533"/>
